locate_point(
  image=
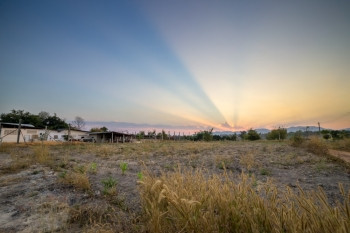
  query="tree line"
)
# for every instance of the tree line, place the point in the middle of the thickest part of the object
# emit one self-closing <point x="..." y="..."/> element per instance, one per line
<point x="41" y="120"/>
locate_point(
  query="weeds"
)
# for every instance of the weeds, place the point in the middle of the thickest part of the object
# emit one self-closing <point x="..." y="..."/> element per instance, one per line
<point x="265" y="172"/>
<point x="41" y="154"/>
<point x="124" y="167"/>
<point x="248" y="161"/>
<point x="140" y="175"/>
<point x="109" y="186"/>
<point x="76" y="179"/>
<point x="93" y="168"/>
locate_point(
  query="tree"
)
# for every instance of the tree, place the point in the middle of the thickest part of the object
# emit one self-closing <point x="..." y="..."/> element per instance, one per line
<point x="151" y="134"/>
<point x="140" y="135"/>
<point x="252" y="135"/>
<point x="79" y="123"/>
<point x="102" y="129"/>
<point x="41" y="120"/>
<point x="206" y="135"/>
<point x="277" y="134"/>
<point x="243" y="135"/>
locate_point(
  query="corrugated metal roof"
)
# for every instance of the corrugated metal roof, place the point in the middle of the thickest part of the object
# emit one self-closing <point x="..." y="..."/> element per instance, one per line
<point x="16" y="124"/>
<point x="109" y="132"/>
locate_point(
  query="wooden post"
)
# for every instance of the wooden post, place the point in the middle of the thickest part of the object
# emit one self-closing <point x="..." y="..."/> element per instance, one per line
<point x="112" y="138"/>
<point x="19" y="130"/>
<point x="319" y="127"/>
<point x="68" y="138"/>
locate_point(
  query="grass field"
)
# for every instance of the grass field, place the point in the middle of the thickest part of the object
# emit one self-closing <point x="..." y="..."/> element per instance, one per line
<point x="155" y="186"/>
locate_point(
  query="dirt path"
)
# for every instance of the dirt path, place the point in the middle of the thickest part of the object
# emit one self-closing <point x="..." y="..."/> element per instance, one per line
<point x="344" y="155"/>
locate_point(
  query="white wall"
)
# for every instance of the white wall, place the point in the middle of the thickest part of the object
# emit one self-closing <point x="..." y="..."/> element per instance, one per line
<point x="26" y="134"/>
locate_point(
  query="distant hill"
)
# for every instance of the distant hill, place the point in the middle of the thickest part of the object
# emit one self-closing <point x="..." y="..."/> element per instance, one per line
<point x="262" y="131"/>
<point x="292" y="129"/>
<point x="302" y="128"/>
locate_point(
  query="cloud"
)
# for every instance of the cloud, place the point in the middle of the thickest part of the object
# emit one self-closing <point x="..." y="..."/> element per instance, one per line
<point x="226" y="125"/>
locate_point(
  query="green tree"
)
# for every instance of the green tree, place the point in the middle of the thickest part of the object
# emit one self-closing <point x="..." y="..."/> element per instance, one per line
<point x="277" y="134"/>
<point x="140" y="135"/>
<point x="102" y="129"/>
<point x="252" y="135"/>
<point x="243" y="135"/>
<point x="40" y="120"/>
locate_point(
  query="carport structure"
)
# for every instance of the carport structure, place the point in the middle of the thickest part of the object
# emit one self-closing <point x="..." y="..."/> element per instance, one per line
<point x="110" y="137"/>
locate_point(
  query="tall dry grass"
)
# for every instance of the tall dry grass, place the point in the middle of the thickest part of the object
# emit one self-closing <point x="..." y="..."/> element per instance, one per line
<point x="193" y="201"/>
<point x="317" y="146"/>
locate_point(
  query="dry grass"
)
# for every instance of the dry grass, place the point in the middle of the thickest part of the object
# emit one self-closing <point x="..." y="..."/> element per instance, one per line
<point x="19" y="161"/>
<point x="41" y="154"/>
<point x="191" y="202"/>
<point x="248" y="161"/>
<point x="343" y="144"/>
<point x="317" y="146"/>
<point x="77" y="179"/>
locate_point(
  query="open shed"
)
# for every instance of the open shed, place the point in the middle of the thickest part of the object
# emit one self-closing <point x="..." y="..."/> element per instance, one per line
<point x="110" y="136"/>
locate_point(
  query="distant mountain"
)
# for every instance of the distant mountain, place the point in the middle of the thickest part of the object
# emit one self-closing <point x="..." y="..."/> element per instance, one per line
<point x="224" y="133"/>
<point x="294" y="129"/>
<point x="262" y="131"/>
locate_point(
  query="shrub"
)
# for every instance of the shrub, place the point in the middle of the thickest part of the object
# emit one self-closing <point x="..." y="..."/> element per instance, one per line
<point x="297" y="139"/>
<point x="317" y="146"/>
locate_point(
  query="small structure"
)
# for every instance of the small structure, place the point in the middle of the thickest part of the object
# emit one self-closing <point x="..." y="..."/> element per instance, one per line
<point x="111" y="136"/>
<point x="29" y="133"/>
<point x="62" y="135"/>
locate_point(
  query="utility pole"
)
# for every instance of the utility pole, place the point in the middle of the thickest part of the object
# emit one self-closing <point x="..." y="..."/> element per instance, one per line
<point x="319" y="127"/>
<point x="19" y="130"/>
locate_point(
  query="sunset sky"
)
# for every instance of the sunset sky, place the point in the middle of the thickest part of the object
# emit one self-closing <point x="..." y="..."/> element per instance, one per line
<point x="231" y="65"/>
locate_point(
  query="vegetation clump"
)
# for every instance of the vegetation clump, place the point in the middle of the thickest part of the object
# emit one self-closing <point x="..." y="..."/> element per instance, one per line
<point x="317" y="146"/>
<point x="297" y="139"/>
<point x="109" y="186"/>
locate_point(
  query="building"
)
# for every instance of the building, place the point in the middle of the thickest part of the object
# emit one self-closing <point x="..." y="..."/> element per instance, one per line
<point x="62" y="135"/>
<point x="28" y="133"/>
<point x="111" y="136"/>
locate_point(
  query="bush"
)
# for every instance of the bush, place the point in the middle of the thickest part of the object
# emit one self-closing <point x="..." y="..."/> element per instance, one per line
<point x="317" y="146"/>
<point x="297" y="139"/>
<point x="206" y="135"/>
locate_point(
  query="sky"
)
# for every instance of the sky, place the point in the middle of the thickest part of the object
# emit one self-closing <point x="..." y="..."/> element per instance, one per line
<point x="186" y="64"/>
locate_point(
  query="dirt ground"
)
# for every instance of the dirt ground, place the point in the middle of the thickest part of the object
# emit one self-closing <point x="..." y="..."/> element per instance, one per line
<point x="34" y="196"/>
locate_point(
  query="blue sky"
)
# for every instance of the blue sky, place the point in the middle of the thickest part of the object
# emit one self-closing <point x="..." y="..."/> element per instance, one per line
<point x="221" y="64"/>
